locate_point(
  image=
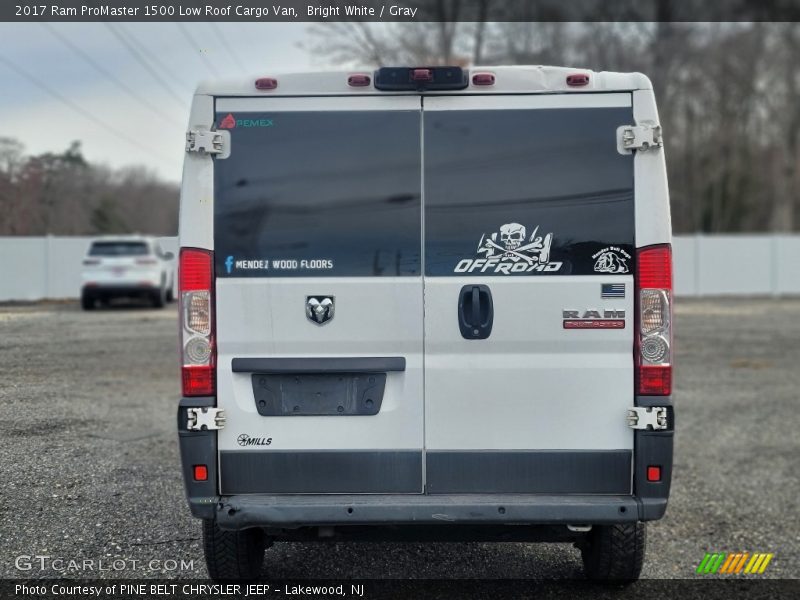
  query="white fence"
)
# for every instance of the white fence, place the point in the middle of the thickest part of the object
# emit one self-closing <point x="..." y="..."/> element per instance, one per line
<point x="745" y="265"/>
<point x="34" y="268"/>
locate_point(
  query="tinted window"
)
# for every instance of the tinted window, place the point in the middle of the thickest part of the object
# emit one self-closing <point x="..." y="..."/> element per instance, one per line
<point x="538" y="192"/>
<point x="319" y="194"/>
<point x="118" y="249"/>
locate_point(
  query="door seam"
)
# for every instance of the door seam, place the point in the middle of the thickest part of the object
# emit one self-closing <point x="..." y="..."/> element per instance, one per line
<point x="422" y="275"/>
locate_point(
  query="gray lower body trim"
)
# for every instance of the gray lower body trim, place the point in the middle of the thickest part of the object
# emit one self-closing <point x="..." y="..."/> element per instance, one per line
<point x="320" y="472"/>
<point x="529" y="472"/>
<point x="241" y="512"/>
<point x="387" y="472"/>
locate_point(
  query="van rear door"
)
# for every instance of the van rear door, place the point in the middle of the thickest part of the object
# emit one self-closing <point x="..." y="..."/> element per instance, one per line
<point x="317" y="234"/>
<point x="529" y="243"/>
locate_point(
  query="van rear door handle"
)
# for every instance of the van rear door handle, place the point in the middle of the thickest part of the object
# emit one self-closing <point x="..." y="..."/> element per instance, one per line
<point x="475" y="312"/>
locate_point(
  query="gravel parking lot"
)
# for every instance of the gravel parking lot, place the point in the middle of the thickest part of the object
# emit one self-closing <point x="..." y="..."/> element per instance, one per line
<point x="90" y="460"/>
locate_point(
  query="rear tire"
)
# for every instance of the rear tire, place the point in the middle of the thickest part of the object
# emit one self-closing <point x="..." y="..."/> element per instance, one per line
<point x="87" y="301"/>
<point x="233" y="555"/>
<point x="614" y="552"/>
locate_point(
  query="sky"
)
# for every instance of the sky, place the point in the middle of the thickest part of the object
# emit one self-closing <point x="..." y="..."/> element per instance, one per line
<point x="142" y="119"/>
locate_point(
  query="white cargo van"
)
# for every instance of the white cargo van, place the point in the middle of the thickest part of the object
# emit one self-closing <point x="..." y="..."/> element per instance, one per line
<point x="426" y="303"/>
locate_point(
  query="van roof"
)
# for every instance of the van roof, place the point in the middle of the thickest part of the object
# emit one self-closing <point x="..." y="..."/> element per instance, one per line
<point x="508" y="79"/>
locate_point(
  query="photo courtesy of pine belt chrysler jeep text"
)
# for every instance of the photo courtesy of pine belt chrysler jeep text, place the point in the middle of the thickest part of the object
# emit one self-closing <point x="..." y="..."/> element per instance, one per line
<point x="426" y="303"/>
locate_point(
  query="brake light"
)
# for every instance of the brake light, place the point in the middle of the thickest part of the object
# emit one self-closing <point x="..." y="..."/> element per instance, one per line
<point x="198" y="365"/>
<point x="421" y="75"/>
<point x="395" y="79"/>
<point x="653" y="352"/>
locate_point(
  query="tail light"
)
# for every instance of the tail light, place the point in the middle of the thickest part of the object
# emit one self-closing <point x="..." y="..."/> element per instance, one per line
<point x="654" y="321"/>
<point x="198" y="366"/>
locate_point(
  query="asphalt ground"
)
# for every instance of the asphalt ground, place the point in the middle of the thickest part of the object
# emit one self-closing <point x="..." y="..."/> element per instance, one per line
<point x="89" y="466"/>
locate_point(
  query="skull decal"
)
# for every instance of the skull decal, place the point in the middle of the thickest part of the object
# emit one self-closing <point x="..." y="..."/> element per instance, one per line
<point x="512" y="235"/>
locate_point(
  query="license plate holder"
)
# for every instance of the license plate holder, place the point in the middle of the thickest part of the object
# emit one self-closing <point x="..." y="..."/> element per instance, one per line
<point x="318" y="394"/>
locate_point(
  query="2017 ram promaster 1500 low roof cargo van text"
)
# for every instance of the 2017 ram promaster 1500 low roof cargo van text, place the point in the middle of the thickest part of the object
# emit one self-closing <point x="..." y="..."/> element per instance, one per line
<point x="428" y="303"/>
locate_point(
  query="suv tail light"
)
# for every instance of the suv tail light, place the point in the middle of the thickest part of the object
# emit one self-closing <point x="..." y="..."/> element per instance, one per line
<point x="654" y="321"/>
<point x="198" y="364"/>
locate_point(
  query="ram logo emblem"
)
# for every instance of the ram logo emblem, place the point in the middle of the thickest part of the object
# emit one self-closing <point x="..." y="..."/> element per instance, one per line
<point x="319" y="309"/>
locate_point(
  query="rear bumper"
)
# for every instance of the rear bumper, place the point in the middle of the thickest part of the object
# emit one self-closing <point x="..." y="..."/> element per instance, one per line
<point x="107" y="290"/>
<point x="293" y="511"/>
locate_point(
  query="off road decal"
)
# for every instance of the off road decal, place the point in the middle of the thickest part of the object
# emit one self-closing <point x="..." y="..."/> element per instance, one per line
<point x="511" y="250"/>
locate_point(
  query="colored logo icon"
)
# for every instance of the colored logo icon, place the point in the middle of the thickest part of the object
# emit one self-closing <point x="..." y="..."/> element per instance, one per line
<point x="734" y="563"/>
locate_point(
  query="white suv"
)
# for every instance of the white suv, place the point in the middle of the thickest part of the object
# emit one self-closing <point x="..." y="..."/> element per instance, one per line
<point x="127" y="266"/>
<point x="428" y="302"/>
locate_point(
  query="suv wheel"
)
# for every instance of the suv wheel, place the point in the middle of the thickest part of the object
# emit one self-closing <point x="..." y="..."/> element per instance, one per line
<point x="233" y="555"/>
<point x="614" y="552"/>
<point x="159" y="298"/>
<point x="87" y="301"/>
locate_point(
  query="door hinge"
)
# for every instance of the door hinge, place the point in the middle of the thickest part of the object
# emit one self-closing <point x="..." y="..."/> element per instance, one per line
<point x="208" y="142"/>
<point x="642" y="137"/>
<point x="647" y="417"/>
<point x="205" y="418"/>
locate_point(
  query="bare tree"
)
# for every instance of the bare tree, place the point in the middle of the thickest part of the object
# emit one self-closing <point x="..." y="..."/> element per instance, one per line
<point x="729" y="94"/>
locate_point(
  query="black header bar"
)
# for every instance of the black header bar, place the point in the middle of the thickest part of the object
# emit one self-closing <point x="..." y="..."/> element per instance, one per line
<point x="293" y="11"/>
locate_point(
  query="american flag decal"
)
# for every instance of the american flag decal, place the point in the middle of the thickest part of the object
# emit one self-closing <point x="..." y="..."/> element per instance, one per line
<point x="612" y="290"/>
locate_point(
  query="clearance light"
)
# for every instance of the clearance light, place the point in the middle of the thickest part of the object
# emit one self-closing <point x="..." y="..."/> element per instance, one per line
<point x="266" y="83"/>
<point x="359" y="80"/>
<point x="483" y="79"/>
<point x="578" y="80"/>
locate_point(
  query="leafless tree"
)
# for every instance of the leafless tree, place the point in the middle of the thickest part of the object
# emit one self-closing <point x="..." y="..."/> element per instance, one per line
<point x="729" y="95"/>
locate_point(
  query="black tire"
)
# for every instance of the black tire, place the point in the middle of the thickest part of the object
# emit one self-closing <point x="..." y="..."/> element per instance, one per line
<point x="170" y="295"/>
<point x="614" y="552"/>
<point x="159" y="298"/>
<point x="233" y="555"/>
<point x="87" y="301"/>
